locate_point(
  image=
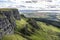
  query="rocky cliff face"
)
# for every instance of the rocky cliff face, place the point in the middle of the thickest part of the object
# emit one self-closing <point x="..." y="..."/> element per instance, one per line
<point x="7" y="21"/>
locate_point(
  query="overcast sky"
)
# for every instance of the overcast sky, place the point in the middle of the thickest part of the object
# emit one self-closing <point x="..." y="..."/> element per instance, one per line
<point x="31" y="4"/>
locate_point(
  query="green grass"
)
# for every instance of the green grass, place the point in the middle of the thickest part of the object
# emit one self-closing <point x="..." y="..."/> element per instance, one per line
<point x="13" y="37"/>
<point x="20" y="24"/>
<point x="48" y="27"/>
<point x="46" y="32"/>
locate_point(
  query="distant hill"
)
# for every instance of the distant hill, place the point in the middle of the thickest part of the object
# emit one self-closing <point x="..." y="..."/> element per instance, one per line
<point x="32" y="11"/>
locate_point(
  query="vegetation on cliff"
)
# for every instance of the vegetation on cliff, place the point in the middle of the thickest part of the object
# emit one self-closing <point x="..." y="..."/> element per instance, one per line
<point x="28" y="31"/>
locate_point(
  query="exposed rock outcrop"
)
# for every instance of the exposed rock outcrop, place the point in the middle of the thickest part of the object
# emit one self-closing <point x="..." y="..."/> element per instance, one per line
<point x="7" y="21"/>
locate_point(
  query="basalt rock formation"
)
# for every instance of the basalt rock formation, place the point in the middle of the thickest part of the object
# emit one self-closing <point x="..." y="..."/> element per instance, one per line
<point x="7" y="21"/>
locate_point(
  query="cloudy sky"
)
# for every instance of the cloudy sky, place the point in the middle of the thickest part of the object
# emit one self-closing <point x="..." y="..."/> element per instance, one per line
<point x="31" y="4"/>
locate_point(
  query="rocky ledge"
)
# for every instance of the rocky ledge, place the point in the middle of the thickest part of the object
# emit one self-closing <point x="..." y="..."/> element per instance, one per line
<point x="7" y="20"/>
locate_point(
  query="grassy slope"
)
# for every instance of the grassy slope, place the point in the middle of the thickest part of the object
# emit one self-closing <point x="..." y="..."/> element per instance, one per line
<point x="13" y="37"/>
<point x="46" y="32"/>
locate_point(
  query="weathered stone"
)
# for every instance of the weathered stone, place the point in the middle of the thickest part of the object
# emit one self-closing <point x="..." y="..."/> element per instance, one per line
<point x="16" y="14"/>
<point x="7" y="21"/>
